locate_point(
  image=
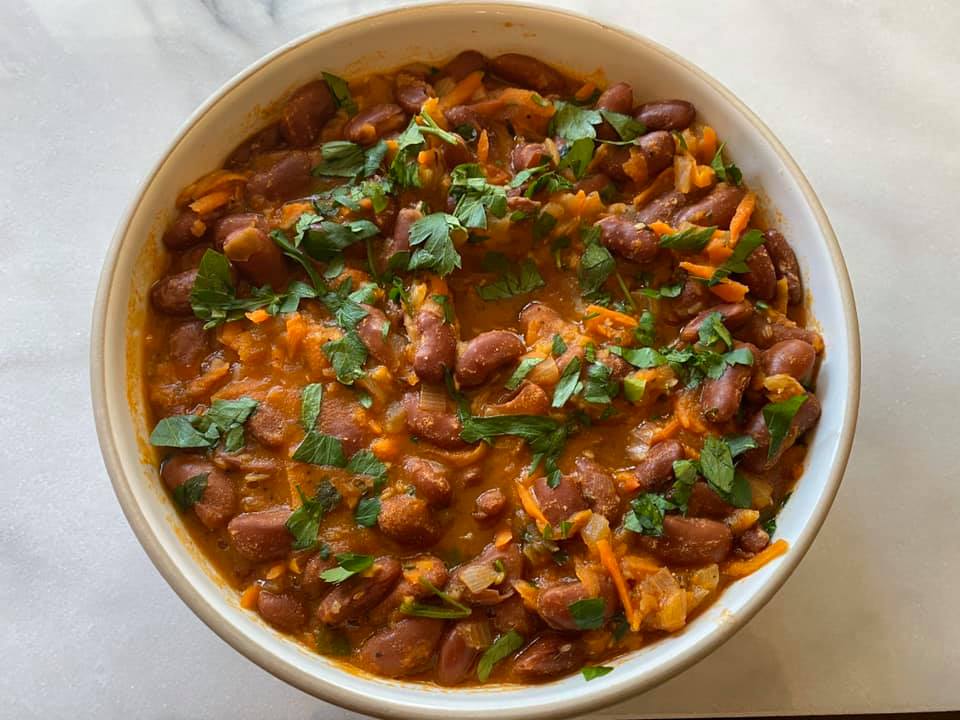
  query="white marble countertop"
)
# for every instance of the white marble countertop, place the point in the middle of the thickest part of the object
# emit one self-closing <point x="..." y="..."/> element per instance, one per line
<point x="864" y="94"/>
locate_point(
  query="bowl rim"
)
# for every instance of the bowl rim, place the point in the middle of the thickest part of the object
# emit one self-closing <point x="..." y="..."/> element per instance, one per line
<point x="593" y="696"/>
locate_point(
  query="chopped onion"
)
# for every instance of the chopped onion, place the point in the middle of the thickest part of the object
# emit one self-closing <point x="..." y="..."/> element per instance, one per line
<point x="433" y="399"/>
<point x="545" y="373"/>
<point x="683" y="168"/>
<point x="596" y="529"/>
<point x="480" y="576"/>
<point x="476" y="634"/>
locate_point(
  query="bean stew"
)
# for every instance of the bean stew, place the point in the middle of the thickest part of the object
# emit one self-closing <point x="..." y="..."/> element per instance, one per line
<point x="479" y="373"/>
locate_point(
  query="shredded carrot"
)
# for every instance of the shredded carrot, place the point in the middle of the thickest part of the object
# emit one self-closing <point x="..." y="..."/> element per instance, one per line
<point x="628" y="481"/>
<point x="483" y="147"/>
<point x="425" y="158"/>
<point x="704" y="272"/>
<point x="742" y="568"/>
<point x="662" y="183"/>
<point x="296" y="331"/>
<point x="294" y="566"/>
<point x="661" y="228"/>
<point x="432" y="108"/>
<point x="612" y="566"/>
<point x="718" y="250"/>
<point x="607" y="324"/>
<point x="257" y="316"/>
<point x="462" y="91"/>
<point x="211" y="201"/>
<point x="531" y="507"/>
<point x="708" y="144"/>
<point x="669" y="430"/>
<point x="528" y="592"/>
<point x="503" y="537"/>
<point x="385" y="448"/>
<point x="586" y="90"/>
<point x="248" y="599"/>
<point x="702" y="176"/>
<point x="782" y="297"/>
<point x="730" y="290"/>
<point x="741" y="217"/>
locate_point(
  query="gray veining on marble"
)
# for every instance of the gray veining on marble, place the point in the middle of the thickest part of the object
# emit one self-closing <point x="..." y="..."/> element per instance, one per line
<point x="866" y="95"/>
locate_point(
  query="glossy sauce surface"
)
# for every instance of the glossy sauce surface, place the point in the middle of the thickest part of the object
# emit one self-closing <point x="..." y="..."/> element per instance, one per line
<point x="471" y="374"/>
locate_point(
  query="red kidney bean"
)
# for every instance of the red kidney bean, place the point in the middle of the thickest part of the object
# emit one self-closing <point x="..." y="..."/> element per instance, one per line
<point x="666" y="114"/>
<point x="593" y="183"/>
<point x="720" y="398"/>
<point x="402" y="648"/>
<point x="422" y="567"/>
<point x="219" y="500"/>
<point x="188" y="344"/>
<point x="658" y="148"/>
<point x="490" y="505"/>
<point x="429" y="479"/>
<point x="457" y="655"/>
<point x="574" y="351"/>
<point x="765" y="332"/>
<point x="306" y="112"/>
<point x="704" y="502"/>
<point x="663" y="207"/>
<point x="261" y="535"/>
<point x="512" y="614"/>
<point x="528" y="72"/>
<point x="549" y="655"/>
<point x="561" y="502"/>
<point x="692" y="541"/>
<point x="531" y="399"/>
<point x="185" y="231"/>
<point x="310" y="581"/>
<point x="757" y="460"/>
<point x="617" y="98"/>
<point x="356" y="595"/>
<point x="373" y="331"/>
<point x="622" y="237"/>
<point x="462" y="115"/>
<point x="735" y="315"/>
<point x="598" y="488"/>
<point x="412" y="92"/>
<point x="437" y="348"/>
<point x="408" y="520"/>
<point x="266" y="140"/>
<point x="287" y="177"/>
<point x="399" y="242"/>
<point x="693" y="298"/>
<point x="529" y="155"/>
<point x="510" y="560"/>
<point x="268" y="426"/>
<point x="442" y="429"/>
<point x="342" y="416"/>
<point x="619" y="368"/>
<point x="374" y="122"/>
<point x="170" y="295"/>
<point x="785" y="264"/>
<point x="754" y="540"/>
<point x="716" y="208"/>
<point x="790" y="357"/>
<point x="762" y="279"/>
<point x="244" y="240"/>
<point x="611" y="160"/>
<point x="465" y="63"/>
<point x="553" y="602"/>
<point x="485" y="354"/>
<point x="539" y="320"/>
<point x="656" y="468"/>
<point x="282" y="610"/>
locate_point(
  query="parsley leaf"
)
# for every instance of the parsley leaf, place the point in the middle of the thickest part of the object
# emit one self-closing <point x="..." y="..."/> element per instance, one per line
<point x="737" y="262"/>
<point x="340" y="158"/>
<point x="693" y="239"/>
<point x="558" y="347"/>
<point x="364" y="462"/>
<point x="627" y="127"/>
<point x="716" y="461"/>
<point x="600" y="386"/>
<point x="645" y="515"/>
<point x="224" y="419"/>
<point x="455" y="608"/>
<point x="444" y="302"/>
<point x="712" y="330"/>
<point x="728" y="173"/>
<point x="544" y="435"/>
<point x="643" y="358"/>
<point x="664" y="291"/>
<point x="686" y="473"/>
<point x="404" y="168"/>
<point x="523" y="369"/>
<point x="569" y="383"/>
<point x="596" y="264"/>
<point x="510" y="283"/>
<point x="502" y="648"/>
<point x="367" y="511"/>
<point x="578" y="157"/>
<point x="189" y="493"/>
<point x="319" y="448"/>
<point x="341" y="92"/>
<point x="593" y="672"/>
<point x="572" y="122"/>
<point x="304" y="522"/>
<point x="778" y="417"/>
<point x="431" y="235"/>
<point x="587" y="613"/>
<point x="348" y="565"/>
<point x="310" y="401"/>
<point x="475" y="196"/>
<point x="229" y="416"/>
<point x="646" y="330"/>
<point x="540" y="178"/>
<point x="327" y="239"/>
<point x="347" y="355"/>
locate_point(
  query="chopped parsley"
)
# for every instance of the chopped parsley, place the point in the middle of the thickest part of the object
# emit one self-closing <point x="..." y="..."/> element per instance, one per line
<point x="367" y="511"/>
<point x="569" y="383"/>
<point x="693" y="239"/>
<point x="452" y="610"/>
<point x="737" y="262"/>
<point x="502" y="648"/>
<point x="475" y="196"/>
<point x="347" y="356"/>
<point x="348" y="565"/>
<point x="341" y="158"/>
<point x="726" y="172"/>
<point x="573" y="122"/>
<point x="304" y="522"/>
<point x="577" y="157"/>
<point x="593" y="672"/>
<point x="588" y="613"/>
<point x="224" y="420"/>
<point x="596" y="264"/>
<point x="190" y="492"/>
<point x="545" y="436"/>
<point x="341" y="93"/>
<point x="600" y="386"/>
<point x="511" y="282"/>
<point x="627" y="127"/>
<point x="646" y="512"/>
<point x="778" y="417"/>
<point x="431" y="235"/>
<point x="523" y="369"/>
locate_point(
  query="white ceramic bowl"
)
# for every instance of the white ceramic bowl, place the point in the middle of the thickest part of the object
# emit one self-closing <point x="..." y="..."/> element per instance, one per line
<point x="385" y="41"/>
